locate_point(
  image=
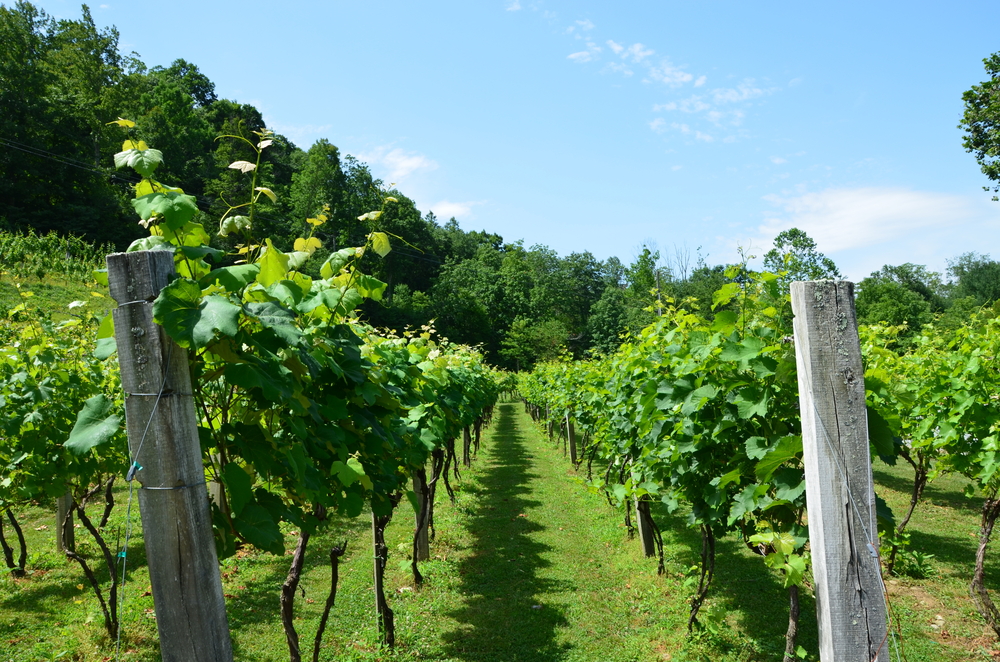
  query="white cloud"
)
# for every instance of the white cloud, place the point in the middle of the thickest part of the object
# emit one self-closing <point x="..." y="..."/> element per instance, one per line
<point x="617" y="48"/>
<point x="688" y="131"/>
<point x="398" y="163"/>
<point x="742" y="92"/>
<point x="580" y="57"/>
<point x="676" y="168"/>
<point x="849" y="218"/>
<point x="659" y="125"/>
<point x="637" y="52"/>
<point x="777" y="160"/>
<point x="693" y="104"/>
<point x="513" y="5"/>
<point x="701" y="81"/>
<point x="866" y="228"/>
<point x="667" y="73"/>
<point x="585" y="25"/>
<point x="446" y="209"/>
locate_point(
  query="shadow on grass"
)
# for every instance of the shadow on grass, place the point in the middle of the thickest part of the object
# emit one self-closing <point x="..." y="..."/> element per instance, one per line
<point x="744" y="587"/>
<point x="502" y="619"/>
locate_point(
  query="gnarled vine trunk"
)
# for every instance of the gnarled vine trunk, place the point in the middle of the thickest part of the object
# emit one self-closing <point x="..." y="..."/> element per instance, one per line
<point x="980" y="594"/>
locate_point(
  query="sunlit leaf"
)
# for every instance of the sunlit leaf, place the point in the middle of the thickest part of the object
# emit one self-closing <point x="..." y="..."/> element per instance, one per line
<point x="190" y="320"/>
<point x="380" y="243"/>
<point x="94" y="425"/>
<point x="242" y="166"/>
<point x="268" y="192"/>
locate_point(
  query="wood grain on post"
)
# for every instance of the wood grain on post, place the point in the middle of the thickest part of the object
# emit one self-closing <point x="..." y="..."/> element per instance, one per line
<point x="176" y="521"/>
<point x="850" y="603"/>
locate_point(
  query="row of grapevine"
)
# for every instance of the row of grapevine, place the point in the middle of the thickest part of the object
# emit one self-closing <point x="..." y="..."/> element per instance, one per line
<point x="303" y="410"/>
<point x="701" y="411"/>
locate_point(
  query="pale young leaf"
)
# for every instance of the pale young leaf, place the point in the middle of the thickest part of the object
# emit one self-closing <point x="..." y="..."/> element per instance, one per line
<point x="268" y="192"/>
<point x="264" y="143"/>
<point x="242" y="166"/>
<point x="128" y="124"/>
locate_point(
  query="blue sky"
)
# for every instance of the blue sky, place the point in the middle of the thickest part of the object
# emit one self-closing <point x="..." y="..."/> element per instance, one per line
<point x="598" y="126"/>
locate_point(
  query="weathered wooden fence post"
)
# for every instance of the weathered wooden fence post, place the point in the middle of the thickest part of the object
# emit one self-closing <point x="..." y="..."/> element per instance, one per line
<point x="840" y="496"/>
<point x="163" y="442"/>
<point x="644" y="524"/>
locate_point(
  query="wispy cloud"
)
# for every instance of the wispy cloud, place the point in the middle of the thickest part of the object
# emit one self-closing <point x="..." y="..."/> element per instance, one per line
<point x="513" y="5"/>
<point x="686" y="130"/>
<point x="396" y="162"/>
<point x="446" y="209"/>
<point x="849" y="218"/>
<point x="865" y="228"/>
<point x="777" y="160"/>
<point x="722" y="107"/>
<point x="592" y="52"/>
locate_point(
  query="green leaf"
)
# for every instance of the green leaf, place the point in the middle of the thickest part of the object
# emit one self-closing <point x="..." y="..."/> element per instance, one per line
<point x="354" y="503"/>
<point x="411" y="496"/>
<point x="94" y="425"/>
<point x="151" y="243"/>
<point x="191" y="320"/>
<point x="175" y="208"/>
<point x="880" y="436"/>
<point x="369" y="286"/>
<point x="724" y="322"/>
<point x="198" y="252"/>
<point x="336" y="262"/>
<point x="725" y="294"/>
<point x="142" y="161"/>
<point x="273" y="265"/>
<point x="105" y="348"/>
<point x="277" y="318"/>
<point x="106" y="345"/>
<point x="786" y="449"/>
<point x="380" y="243"/>
<point x="259" y="528"/>
<point x="232" y="279"/>
<point x="756" y="447"/>
<point x="101" y="276"/>
<point x="742" y="351"/>
<point x="239" y="487"/>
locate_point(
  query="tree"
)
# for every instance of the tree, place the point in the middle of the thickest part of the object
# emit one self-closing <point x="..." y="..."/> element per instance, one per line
<point x="976" y="276"/>
<point x="795" y="254"/>
<point x="981" y="122"/>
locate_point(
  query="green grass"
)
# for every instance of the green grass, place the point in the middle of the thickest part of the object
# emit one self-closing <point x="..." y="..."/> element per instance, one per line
<point x="527" y="566"/>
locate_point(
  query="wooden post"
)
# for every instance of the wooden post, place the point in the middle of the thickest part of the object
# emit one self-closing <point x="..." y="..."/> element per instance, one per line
<point x="65" y="536"/>
<point x="644" y="523"/>
<point x="840" y="496"/>
<point x="173" y="501"/>
<point x="571" y="434"/>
